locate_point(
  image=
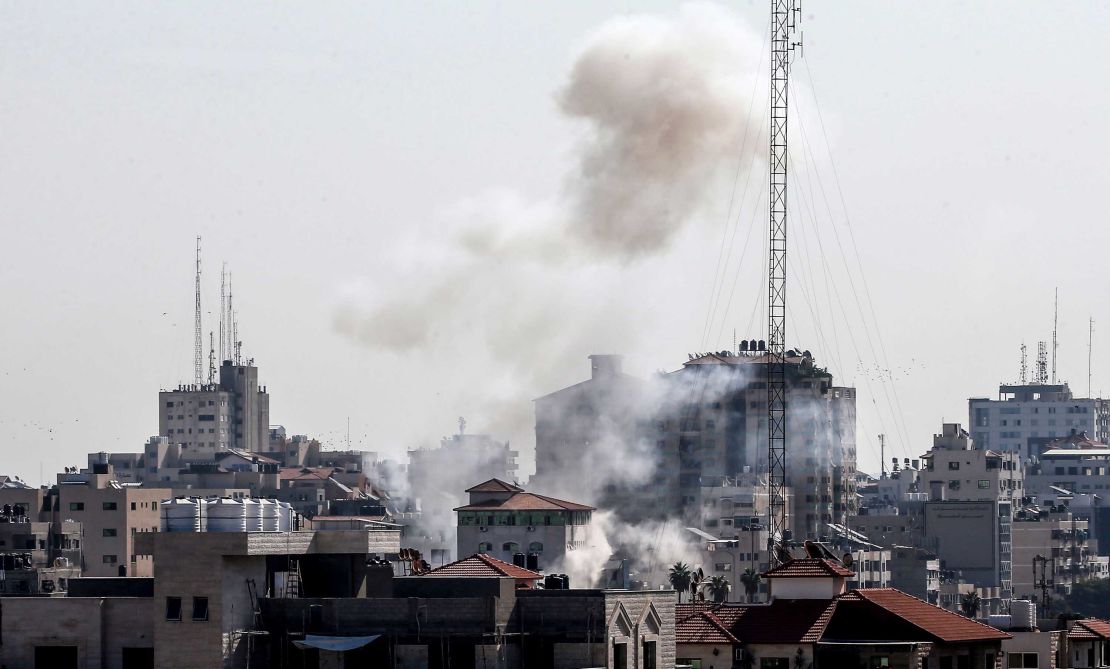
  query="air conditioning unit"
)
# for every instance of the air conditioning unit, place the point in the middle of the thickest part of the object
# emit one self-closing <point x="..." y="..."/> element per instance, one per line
<point x="483" y="529"/>
<point x="531" y="528"/>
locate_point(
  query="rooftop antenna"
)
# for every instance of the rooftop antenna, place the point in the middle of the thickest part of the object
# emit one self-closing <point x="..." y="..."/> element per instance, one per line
<point x="1090" y="346"/>
<point x="223" y="312"/>
<point x="211" y="357"/>
<point x="198" y="356"/>
<point x="882" y="455"/>
<point x="1055" y="318"/>
<point x="783" y="15"/>
<point x="230" y="348"/>
<point x="462" y="426"/>
<point x="1040" y="373"/>
<point x="1024" y="366"/>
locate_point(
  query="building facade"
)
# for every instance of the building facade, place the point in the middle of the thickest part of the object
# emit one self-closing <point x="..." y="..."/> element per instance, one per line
<point x="1027" y="416"/>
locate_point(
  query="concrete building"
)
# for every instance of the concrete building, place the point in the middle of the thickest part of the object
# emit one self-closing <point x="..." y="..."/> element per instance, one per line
<point x="700" y="425"/>
<point x="111" y="515"/>
<point x="916" y="572"/>
<point x="502" y="520"/>
<point x="1076" y="464"/>
<point x="1027" y="416"/>
<point x="205" y="420"/>
<point x="955" y="470"/>
<point x="1064" y="541"/>
<point x="987" y="560"/>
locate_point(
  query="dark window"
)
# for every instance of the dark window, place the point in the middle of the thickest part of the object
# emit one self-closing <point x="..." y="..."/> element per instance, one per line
<point x="56" y="657"/>
<point x="108" y="532"/>
<point x="109" y="506"/>
<point x="169" y="404"/>
<point x="173" y="608"/>
<point x="110" y="559"/>
<point x="76" y="506"/>
<point x="200" y="608"/>
<point x="132" y="506"/>
<point x="620" y="655"/>
<point x="649" y="655"/>
<point x="206" y="417"/>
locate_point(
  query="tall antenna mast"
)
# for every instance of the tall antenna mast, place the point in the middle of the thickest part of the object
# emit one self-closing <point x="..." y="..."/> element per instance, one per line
<point x="1024" y="364"/>
<point x="1055" y="319"/>
<point x="1090" y="346"/>
<point x="230" y="327"/>
<point x="782" y="29"/>
<point x="211" y="357"/>
<point x="223" y="312"/>
<point x="1040" y="373"/>
<point x="198" y="343"/>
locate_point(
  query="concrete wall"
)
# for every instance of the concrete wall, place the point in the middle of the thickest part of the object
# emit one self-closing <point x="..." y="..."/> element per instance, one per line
<point x="100" y="628"/>
<point x="711" y="656"/>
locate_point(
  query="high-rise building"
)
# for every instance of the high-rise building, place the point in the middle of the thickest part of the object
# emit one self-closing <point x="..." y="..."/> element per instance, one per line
<point x="208" y="419"/>
<point x="701" y="426"/>
<point x="1026" y="417"/>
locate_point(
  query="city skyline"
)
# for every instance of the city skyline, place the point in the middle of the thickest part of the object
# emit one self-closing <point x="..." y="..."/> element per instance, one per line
<point x="319" y="220"/>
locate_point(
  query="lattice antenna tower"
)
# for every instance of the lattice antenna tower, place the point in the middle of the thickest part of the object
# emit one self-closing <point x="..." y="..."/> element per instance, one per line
<point x="198" y="337"/>
<point x="211" y="357"/>
<point x="223" y="312"/>
<point x="1024" y="364"/>
<point x="1040" y="373"/>
<point x="229" y="328"/>
<point x="1055" y="320"/>
<point x="783" y="17"/>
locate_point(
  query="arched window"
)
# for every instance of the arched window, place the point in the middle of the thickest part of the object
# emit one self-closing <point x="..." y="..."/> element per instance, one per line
<point x="485" y="547"/>
<point x="511" y="547"/>
<point x="535" y="547"/>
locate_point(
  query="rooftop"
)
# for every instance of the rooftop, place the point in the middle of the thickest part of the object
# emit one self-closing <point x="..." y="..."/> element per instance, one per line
<point x="479" y="564"/>
<point x="495" y="485"/>
<point x="1091" y="628"/>
<point x="809" y="568"/>
<point x="526" y="501"/>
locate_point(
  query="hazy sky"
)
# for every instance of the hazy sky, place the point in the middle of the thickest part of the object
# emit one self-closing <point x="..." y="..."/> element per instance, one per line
<point x="355" y="163"/>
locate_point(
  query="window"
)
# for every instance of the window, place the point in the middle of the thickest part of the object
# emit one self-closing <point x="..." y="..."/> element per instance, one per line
<point x="511" y="546"/>
<point x="878" y="661"/>
<point x="649" y="655"/>
<point x="774" y="663"/>
<point x="76" y="506"/>
<point x="954" y="484"/>
<point x="984" y="484"/>
<point x="535" y="547"/>
<point x="485" y="547"/>
<point x="173" y="608"/>
<point x="1022" y="661"/>
<point x="953" y="465"/>
<point x="110" y="559"/>
<point x="200" y="609"/>
<point x="109" y="506"/>
<point x="108" y="532"/>
<point x="154" y="506"/>
<point x="132" y="506"/>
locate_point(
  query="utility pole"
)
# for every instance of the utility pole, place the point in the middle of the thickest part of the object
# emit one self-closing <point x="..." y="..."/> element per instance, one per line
<point x="783" y="14"/>
<point x="198" y="338"/>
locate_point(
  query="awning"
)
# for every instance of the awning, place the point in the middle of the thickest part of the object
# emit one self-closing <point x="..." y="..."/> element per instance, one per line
<point x="336" y="644"/>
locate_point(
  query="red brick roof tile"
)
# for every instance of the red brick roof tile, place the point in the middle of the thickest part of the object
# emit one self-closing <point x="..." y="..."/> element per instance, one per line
<point x="480" y="564"/>
<point x="526" y="501"/>
<point x="1091" y="628"/>
<point x="940" y="623"/>
<point x="697" y="625"/>
<point x="495" y="485"/>
<point x="809" y="568"/>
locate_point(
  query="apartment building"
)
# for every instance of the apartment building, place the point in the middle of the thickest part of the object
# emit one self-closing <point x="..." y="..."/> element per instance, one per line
<point x="207" y="419"/>
<point x="111" y="514"/>
<point x="1025" y="417"/>
<point x="955" y="470"/>
<point x="1057" y="546"/>
<point x="503" y="520"/>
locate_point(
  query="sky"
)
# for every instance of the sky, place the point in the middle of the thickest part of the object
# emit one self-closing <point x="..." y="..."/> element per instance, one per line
<point x="417" y="205"/>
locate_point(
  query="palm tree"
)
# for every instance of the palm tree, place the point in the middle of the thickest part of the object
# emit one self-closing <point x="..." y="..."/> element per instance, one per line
<point x="697" y="580"/>
<point x="718" y="587"/>
<point x="680" y="577"/>
<point x="750" y="579"/>
<point x="970" y="603"/>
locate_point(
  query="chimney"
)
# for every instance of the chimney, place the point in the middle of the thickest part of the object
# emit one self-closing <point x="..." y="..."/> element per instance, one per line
<point x="605" y="366"/>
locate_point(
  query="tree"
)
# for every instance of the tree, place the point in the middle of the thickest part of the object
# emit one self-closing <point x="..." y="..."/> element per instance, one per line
<point x="750" y="579"/>
<point x="970" y="603"/>
<point x="718" y="587"/>
<point x="697" y="580"/>
<point x="1091" y="598"/>
<point x="680" y="577"/>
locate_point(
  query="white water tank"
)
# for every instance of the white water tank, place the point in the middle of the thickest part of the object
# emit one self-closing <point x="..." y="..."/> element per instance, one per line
<point x="269" y="515"/>
<point x="252" y="509"/>
<point x="226" y="515"/>
<point x="285" y="516"/>
<point x="999" y="621"/>
<point x="1023" y="614"/>
<point x="184" y="514"/>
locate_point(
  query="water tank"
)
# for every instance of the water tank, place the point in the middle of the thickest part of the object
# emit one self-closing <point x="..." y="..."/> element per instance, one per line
<point x="1023" y="614"/>
<point x="184" y="514"/>
<point x="269" y="515"/>
<point x="532" y="562"/>
<point x="518" y="559"/>
<point x="226" y="515"/>
<point x="285" y="514"/>
<point x="999" y="621"/>
<point x="252" y="509"/>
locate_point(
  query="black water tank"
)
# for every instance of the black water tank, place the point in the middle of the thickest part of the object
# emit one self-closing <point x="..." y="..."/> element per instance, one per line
<point x="552" y="582"/>
<point x="533" y="562"/>
<point x="566" y="581"/>
<point x="518" y="559"/>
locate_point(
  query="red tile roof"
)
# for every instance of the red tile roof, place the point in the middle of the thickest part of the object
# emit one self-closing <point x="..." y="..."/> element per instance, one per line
<point x="1091" y="628"/>
<point x="299" y="473"/>
<point x="480" y="564"/>
<point x="809" y="568"/>
<point x="940" y="623"/>
<point x="526" y="501"/>
<point x="697" y="625"/>
<point x="495" y="485"/>
<point x="781" y="621"/>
